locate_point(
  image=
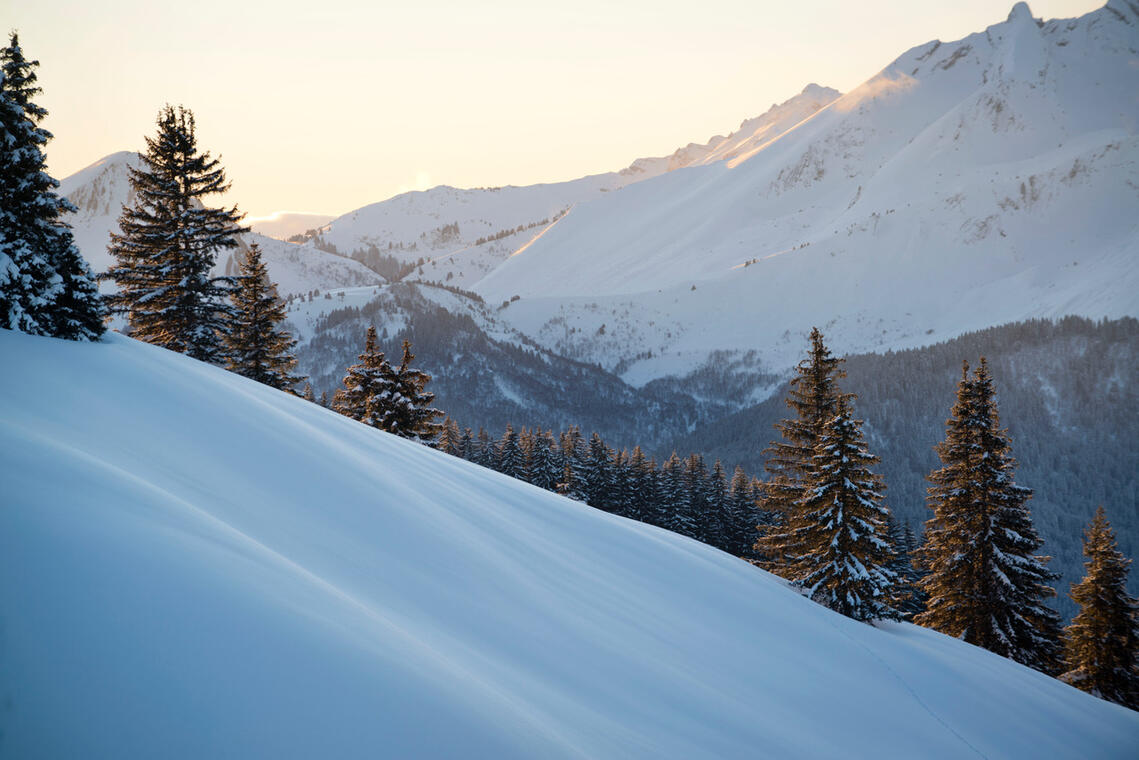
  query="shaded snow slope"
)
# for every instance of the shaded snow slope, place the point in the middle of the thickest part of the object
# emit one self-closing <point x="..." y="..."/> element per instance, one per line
<point x="100" y="191"/>
<point x="970" y="183"/>
<point x="193" y="565"/>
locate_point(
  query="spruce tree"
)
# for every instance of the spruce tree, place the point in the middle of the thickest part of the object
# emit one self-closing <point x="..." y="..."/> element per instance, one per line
<point x="814" y="396"/>
<point x="46" y="287"/>
<point x="510" y="458"/>
<point x="840" y="526"/>
<point x="450" y="439"/>
<point x="168" y="242"/>
<point x="366" y="383"/>
<point x="1101" y="646"/>
<point x="546" y="467"/>
<point x="256" y="345"/>
<point x="408" y="411"/>
<point x="985" y="585"/>
<point x="674" y="498"/>
<point x="596" y="473"/>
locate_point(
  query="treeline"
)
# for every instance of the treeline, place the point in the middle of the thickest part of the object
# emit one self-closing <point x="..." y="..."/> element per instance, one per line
<point x="685" y="496"/>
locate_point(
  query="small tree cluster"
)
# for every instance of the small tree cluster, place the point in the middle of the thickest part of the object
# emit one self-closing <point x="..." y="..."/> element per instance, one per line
<point x="46" y="287"/>
<point x="393" y="399"/>
<point x="682" y="495"/>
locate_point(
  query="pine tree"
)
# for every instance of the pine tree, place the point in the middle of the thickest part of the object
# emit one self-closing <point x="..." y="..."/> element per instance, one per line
<point x="46" y="287"/>
<point x="450" y="439"/>
<point x="168" y="241"/>
<point x="840" y="526"/>
<point x="546" y="467"/>
<point x="365" y="384"/>
<point x="814" y="396"/>
<point x="985" y="585"/>
<point x="1101" y="646"/>
<point x="696" y="497"/>
<point x="596" y="473"/>
<point x="256" y="346"/>
<point x="407" y="410"/>
<point x="510" y="460"/>
<point x="718" y="510"/>
<point x="467" y="445"/>
<point x="909" y="600"/>
<point x="307" y="393"/>
<point x="673" y="493"/>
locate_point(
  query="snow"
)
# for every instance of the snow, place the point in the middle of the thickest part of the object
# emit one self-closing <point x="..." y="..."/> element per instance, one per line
<point x="968" y="184"/>
<point x="194" y="565"/>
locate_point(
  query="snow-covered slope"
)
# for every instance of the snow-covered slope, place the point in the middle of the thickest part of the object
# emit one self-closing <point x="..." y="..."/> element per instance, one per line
<point x="100" y="191"/>
<point x="466" y="232"/>
<point x="285" y="224"/>
<point x="968" y="184"/>
<point x="193" y="565"/>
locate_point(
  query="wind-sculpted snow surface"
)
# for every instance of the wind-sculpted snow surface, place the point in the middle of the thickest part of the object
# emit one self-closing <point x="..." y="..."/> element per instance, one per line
<point x="968" y="184"/>
<point x="194" y="565"/>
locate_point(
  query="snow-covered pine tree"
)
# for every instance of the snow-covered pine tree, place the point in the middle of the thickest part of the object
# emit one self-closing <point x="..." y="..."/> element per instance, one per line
<point x="467" y="445"/>
<point x="510" y="460"/>
<point x="168" y="242"/>
<point x="596" y="473"/>
<point x="1101" y="646"/>
<point x="909" y="600"/>
<point x="364" y="384"/>
<point x="840" y="526"/>
<point x="406" y="409"/>
<point x="546" y="466"/>
<point x="814" y="397"/>
<point x="642" y="487"/>
<point x="256" y="345"/>
<point x="985" y="585"/>
<point x="718" y="511"/>
<point x="307" y="393"/>
<point x="696" y="498"/>
<point x="46" y="287"/>
<point x="741" y="515"/>
<point x="673" y="493"/>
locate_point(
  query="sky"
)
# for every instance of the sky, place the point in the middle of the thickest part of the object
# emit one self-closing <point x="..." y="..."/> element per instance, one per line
<point x="325" y="106"/>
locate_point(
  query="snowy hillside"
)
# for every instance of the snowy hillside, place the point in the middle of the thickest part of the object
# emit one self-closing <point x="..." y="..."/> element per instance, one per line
<point x="285" y="224"/>
<point x="466" y="233"/>
<point x="100" y="190"/>
<point x="193" y="565"/>
<point x="968" y="184"/>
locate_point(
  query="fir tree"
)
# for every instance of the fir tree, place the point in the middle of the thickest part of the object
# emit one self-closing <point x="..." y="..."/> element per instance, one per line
<point x="673" y="494"/>
<point x="46" y="287"/>
<point x="546" y="466"/>
<point x="450" y="439"/>
<point x="909" y="600"/>
<point x="307" y="393"/>
<point x="985" y="586"/>
<point x="840" y="526"/>
<point x="1101" y="646"/>
<point x="365" y="384"/>
<point x="467" y="445"/>
<point x="596" y="473"/>
<point x="256" y="345"/>
<point x="407" y="410"/>
<point x="168" y="242"/>
<point x="718" y="511"/>
<point x="510" y="460"/>
<point x="814" y="396"/>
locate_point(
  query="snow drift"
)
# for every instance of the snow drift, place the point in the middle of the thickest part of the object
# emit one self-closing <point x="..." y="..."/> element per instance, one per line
<point x="193" y="565"/>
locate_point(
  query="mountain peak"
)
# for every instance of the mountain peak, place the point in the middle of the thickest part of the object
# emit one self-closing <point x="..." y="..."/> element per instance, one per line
<point x="1020" y="12"/>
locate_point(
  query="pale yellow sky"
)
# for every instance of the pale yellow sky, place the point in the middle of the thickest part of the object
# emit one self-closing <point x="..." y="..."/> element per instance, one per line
<point x="327" y="105"/>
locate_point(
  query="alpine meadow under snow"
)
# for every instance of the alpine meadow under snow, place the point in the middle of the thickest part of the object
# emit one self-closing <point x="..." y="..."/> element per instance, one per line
<point x="230" y="571"/>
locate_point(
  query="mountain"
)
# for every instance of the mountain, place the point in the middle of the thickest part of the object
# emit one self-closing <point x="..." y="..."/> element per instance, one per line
<point x="1063" y="388"/>
<point x="285" y="224"/>
<point x="464" y="234"/>
<point x="195" y="565"/>
<point x="969" y="183"/>
<point x="101" y="189"/>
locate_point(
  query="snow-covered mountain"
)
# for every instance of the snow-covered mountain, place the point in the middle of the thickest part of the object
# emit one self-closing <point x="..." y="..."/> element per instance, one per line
<point x="101" y="189"/>
<point x="464" y="234"/>
<point x="969" y="183"/>
<point x="195" y="565"/>
<point x="285" y="224"/>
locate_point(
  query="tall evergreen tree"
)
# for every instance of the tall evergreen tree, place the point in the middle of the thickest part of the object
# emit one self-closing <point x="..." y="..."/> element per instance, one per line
<point x="168" y="242"/>
<point x="450" y="439"/>
<point x="256" y="345"/>
<point x="596" y="473"/>
<point x="673" y="494"/>
<point x="909" y="600"/>
<point x="840" y="526"/>
<point x="1101" y="646"/>
<point x="510" y="459"/>
<point x="46" y="287"/>
<point x="814" y="396"/>
<point x="546" y="466"/>
<point x="985" y="585"/>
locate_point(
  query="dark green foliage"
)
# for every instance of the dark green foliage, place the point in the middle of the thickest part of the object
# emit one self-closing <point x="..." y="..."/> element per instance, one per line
<point x="408" y="410"/>
<point x="168" y="241"/>
<point x="814" y="397"/>
<point x="840" y="526"/>
<point x="510" y="460"/>
<point x="985" y="584"/>
<point x="365" y="384"/>
<point x="256" y="346"/>
<point x="46" y="287"/>
<point x="1066" y="388"/>
<point x="1101" y="646"/>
